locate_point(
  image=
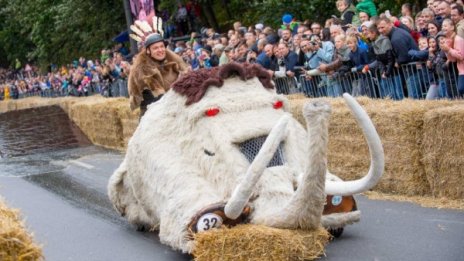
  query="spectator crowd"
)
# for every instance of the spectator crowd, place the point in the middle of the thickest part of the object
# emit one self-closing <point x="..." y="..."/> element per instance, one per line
<point x="106" y="75"/>
<point x="360" y="50"/>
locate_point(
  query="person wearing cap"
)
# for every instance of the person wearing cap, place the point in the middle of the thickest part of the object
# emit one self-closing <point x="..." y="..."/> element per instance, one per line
<point x="289" y="23"/>
<point x="367" y="6"/>
<point x="154" y="69"/>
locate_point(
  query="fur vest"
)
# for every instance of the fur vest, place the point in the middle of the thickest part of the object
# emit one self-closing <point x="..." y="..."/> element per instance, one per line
<point x="147" y="73"/>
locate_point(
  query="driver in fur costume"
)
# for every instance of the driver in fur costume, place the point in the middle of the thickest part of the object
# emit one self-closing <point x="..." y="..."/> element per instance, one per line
<point x="155" y="68"/>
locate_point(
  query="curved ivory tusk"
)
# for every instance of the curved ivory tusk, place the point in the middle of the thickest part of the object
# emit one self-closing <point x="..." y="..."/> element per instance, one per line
<point x="375" y="150"/>
<point x="243" y="191"/>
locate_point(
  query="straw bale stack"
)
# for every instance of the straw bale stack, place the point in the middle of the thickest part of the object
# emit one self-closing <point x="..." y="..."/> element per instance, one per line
<point x="400" y="126"/>
<point x="129" y="120"/>
<point x="67" y="102"/>
<point x="8" y="105"/>
<point x="296" y="96"/>
<point x="257" y="242"/>
<point x="99" y="119"/>
<point x="443" y="151"/>
<point x="34" y="102"/>
<point x="15" y="242"/>
<point x="422" y="142"/>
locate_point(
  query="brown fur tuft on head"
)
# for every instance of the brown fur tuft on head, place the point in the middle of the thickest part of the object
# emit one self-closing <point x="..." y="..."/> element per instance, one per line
<point x="194" y="84"/>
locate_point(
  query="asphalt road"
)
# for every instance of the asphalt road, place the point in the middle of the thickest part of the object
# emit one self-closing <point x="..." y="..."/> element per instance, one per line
<point x="62" y="195"/>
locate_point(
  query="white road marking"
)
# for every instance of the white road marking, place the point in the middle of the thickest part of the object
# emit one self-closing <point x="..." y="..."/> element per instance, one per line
<point x="82" y="164"/>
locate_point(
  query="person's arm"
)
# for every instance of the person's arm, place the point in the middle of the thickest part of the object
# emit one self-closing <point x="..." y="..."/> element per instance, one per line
<point x="373" y="65"/>
<point x="291" y="63"/>
<point x="457" y="52"/>
<point x="363" y="62"/>
<point x="390" y="63"/>
<point x="332" y="66"/>
<point x="326" y="53"/>
<point x="418" y="55"/>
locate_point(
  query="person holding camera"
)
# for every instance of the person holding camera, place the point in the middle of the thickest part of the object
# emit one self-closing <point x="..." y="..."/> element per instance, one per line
<point x="286" y="61"/>
<point x="320" y="52"/>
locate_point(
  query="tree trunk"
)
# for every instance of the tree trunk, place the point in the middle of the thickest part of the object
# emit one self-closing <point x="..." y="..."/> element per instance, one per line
<point x="225" y="4"/>
<point x="209" y="14"/>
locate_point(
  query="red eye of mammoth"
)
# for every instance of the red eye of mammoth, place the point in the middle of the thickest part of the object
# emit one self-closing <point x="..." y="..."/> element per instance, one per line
<point x="212" y="112"/>
<point x="278" y="104"/>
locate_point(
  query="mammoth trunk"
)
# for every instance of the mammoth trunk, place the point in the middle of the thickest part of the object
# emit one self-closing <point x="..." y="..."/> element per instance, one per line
<point x="243" y="191"/>
<point x="304" y="210"/>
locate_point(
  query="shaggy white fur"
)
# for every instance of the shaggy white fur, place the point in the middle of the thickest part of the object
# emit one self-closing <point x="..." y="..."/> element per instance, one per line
<point x="180" y="161"/>
<point x="337" y="220"/>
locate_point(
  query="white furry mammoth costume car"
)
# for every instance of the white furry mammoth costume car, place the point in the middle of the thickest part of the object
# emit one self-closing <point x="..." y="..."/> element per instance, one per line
<point x="222" y="148"/>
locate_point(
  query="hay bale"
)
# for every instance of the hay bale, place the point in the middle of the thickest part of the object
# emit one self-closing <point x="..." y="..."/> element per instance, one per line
<point x="443" y="145"/>
<point x="107" y="122"/>
<point x="15" y="242"/>
<point x="256" y="242"/>
<point x="99" y="120"/>
<point x="400" y="126"/>
<point x="424" y="201"/>
<point x="67" y="102"/>
<point x="129" y="120"/>
<point x="36" y="101"/>
<point x="296" y="96"/>
<point x="7" y="105"/>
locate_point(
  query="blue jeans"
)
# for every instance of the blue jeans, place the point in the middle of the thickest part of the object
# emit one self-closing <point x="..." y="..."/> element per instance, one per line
<point x="313" y="87"/>
<point x="334" y="89"/>
<point x="461" y="85"/>
<point x="391" y="86"/>
<point x="442" y="89"/>
<point x="413" y="84"/>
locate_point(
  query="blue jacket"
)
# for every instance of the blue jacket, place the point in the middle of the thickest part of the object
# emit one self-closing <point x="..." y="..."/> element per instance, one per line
<point x="417" y="55"/>
<point x="290" y="61"/>
<point x="402" y="42"/>
<point x="326" y="51"/>
<point x="359" y="58"/>
<point x="264" y="60"/>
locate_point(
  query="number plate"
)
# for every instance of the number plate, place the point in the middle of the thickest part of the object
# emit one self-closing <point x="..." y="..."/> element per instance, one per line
<point x="336" y="200"/>
<point x="209" y="221"/>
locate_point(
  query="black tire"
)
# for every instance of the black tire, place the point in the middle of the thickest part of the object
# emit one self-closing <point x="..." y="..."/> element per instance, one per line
<point x="336" y="232"/>
<point x="142" y="228"/>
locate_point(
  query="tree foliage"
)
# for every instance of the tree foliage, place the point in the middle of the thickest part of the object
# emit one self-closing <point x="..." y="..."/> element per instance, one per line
<point x="270" y="12"/>
<point x="57" y="31"/>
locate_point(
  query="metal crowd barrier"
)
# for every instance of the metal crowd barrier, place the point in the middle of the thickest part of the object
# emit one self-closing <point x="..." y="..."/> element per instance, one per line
<point x="286" y="85"/>
<point x="413" y="80"/>
<point x="116" y="89"/>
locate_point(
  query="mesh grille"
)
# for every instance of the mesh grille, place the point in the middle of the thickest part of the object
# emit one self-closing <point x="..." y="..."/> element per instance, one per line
<point x="250" y="149"/>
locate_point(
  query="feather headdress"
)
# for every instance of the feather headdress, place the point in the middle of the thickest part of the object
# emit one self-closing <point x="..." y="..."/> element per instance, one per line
<point x="142" y="29"/>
